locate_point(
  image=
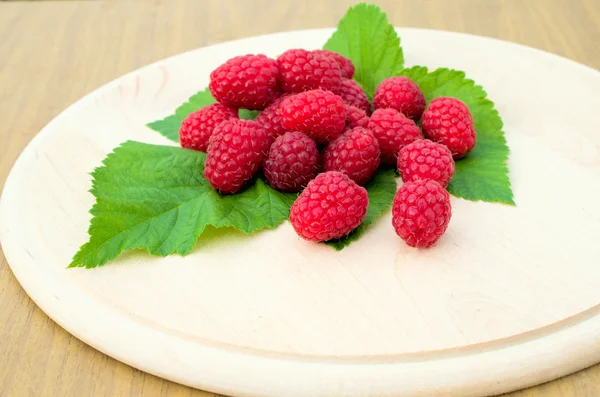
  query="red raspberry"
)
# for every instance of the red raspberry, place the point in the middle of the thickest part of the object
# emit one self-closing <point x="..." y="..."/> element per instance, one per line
<point x="235" y="153"/>
<point x="198" y="126"/>
<point x="421" y="212"/>
<point x="292" y="162"/>
<point x="246" y="81"/>
<point x="424" y="159"/>
<point x="353" y="94"/>
<point x="393" y="130"/>
<point x="354" y="153"/>
<point x="449" y="122"/>
<point x="356" y="117"/>
<point x="402" y="94"/>
<point x="330" y="207"/>
<point x="346" y="66"/>
<point x="270" y="119"/>
<point x="319" y="114"/>
<point x="301" y="70"/>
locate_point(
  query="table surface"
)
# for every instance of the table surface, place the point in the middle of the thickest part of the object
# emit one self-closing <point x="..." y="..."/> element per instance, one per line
<point x="53" y="53"/>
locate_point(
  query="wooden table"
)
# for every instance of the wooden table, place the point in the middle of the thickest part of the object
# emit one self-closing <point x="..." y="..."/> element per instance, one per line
<point x="52" y="53"/>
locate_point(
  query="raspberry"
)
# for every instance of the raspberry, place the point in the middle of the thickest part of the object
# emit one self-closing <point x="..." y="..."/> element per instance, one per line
<point x="393" y="130"/>
<point x="270" y="119"/>
<point x="235" y="153"/>
<point x="352" y="94"/>
<point x="318" y="113"/>
<point x="421" y="212"/>
<point x="292" y="162"/>
<point x="246" y="81"/>
<point x="354" y="153"/>
<point x="402" y="94"/>
<point x="449" y="122"/>
<point x="301" y="70"/>
<point x="424" y="159"/>
<point x="330" y="207"/>
<point x="346" y="66"/>
<point x="356" y="117"/>
<point x="198" y="126"/>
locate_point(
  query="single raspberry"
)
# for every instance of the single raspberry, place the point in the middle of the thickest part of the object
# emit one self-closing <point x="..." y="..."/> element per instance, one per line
<point x="448" y="121"/>
<point x="246" y="81"/>
<point x="354" y="153"/>
<point x="421" y="212"/>
<point x="424" y="159"/>
<point x="270" y="119"/>
<point x="353" y="94"/>
<point x="393" y="130"/>
<point x="346" y="66"/>
<point x="235" y="153"/>
<point x="198" y="126"/>
<point x="292" y="162"/>
<point x="330" y="207"/>
<point x="356" y="117"/>
<point x="319" y="114"/>
<point x="402" y="94"/>
<point x="301" y="70"/>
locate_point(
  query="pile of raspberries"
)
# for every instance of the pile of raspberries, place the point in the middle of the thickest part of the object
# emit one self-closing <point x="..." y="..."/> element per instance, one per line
<point x="318" y="134"/>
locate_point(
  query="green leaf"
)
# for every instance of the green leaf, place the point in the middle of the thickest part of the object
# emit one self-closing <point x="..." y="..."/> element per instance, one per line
<point x="155" y="198"/>
<point x="381" y="190"/>
<point x="483" y="173"/>
<point x="169" y="126"/>
<point x="246" y="114"/>
<point x="365" y="36"/>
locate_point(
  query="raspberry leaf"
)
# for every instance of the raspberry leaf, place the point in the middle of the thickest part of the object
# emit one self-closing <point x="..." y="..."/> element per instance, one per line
<point x="155" y="198"/>
<point x="483" y="173"/>
<point x="365" y="36"/>
<point x="169" y="126"/>
<point x="246" y="114"/>
<point x="381" y="190"/>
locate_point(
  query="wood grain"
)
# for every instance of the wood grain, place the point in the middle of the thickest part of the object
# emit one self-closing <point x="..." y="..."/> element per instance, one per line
<point x="52" y="53"/>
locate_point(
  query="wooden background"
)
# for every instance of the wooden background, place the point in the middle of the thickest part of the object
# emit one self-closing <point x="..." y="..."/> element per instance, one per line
<point x="53" y="53"/>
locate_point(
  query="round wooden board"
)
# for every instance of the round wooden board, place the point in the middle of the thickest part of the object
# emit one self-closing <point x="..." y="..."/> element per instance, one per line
<point x="508" y="298"/>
